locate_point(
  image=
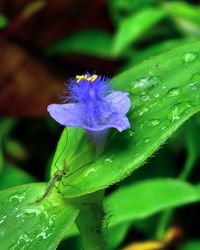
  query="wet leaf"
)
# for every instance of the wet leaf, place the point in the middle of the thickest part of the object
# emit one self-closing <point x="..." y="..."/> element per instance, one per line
<point x="165" y="92"/>
<point x="29" y="226"/>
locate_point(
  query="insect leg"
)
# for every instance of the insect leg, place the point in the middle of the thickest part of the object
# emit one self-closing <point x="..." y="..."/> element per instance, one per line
<point x="56" y="162"/>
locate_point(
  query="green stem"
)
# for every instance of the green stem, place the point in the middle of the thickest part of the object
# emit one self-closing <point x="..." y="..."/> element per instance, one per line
<point x="90" y="221"/>
<point x="167" y="215"/>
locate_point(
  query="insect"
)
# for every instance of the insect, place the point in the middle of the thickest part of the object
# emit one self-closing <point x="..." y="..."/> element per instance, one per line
<point x="58" y="176"/>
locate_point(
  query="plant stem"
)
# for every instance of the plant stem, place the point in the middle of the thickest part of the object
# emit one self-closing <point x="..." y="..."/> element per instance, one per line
<point x="167" y="215"/>
<point x="90" y="221"/>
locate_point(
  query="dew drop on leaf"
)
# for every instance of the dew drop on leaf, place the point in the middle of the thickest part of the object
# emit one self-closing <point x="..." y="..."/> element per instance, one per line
<point x="89" y="171"/>
<point x="189" y="57"/>
<point x="2" y="219"/>
<point x="108" y="160"/>
<point x="147" y="83"/>
<point x="145" y="98"/>
<point x="142" y="82"/>
<point x="173" y="92"/>
<point x="194" y="81"/>
<point x="156" y="95"/>
<point x="142" y="111"/>
<point x="192" y="86"/>
<point x="164" y="128"/>
<point x="131" y="133"/>
<point x="154" y="122"/>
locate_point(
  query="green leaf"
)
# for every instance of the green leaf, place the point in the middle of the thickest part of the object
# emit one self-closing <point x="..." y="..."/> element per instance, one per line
<point x="133" y="27"/>
<point x="148" y="197"/>
<point x="185" y="16"/>
<point x="144" y="199"/>
<point x="165" y="92"/>
<point x="24" y="225"/>
<point x="191" y="245"/>
<point x="192" y="147"/>
<point x="162" y="47"/>
<point x="89" y="42"/>
<point x="13" y="176"/>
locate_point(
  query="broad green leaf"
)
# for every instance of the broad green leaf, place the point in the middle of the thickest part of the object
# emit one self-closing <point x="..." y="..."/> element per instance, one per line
<point x="185" y="15"/>
<point x="89" y="42"/>
<point x="24" y="225"/>
<point x="191" y="245"/>
<point x="192" y="147"/>
<point x="162" y="47"/>
<point x="133" y="27"/>
<point x="148" y="197"/>
<point x="165" y="92"/>
<point x="144" y="199"/>
<point x="13" y="176"/>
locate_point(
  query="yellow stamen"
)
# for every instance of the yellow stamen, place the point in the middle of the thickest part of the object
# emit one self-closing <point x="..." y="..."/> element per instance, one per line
<point x="90" y="79"/>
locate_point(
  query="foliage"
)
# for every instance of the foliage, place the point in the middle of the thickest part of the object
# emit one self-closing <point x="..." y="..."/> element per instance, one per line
<point x="146" y="181"/>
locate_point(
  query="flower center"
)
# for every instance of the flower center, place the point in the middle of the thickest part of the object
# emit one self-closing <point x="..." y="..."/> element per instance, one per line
<point x="86" y="77"/>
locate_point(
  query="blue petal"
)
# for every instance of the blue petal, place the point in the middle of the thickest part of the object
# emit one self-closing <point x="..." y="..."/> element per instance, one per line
<point x="118" y="121"/>
<point x="120" y="101"/>
<point x="66" y="114"/>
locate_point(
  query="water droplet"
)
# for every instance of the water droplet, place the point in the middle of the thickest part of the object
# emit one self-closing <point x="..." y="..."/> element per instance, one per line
<point x="22" y="242"/>
<point x="108" y="160"/>
<point x="192" y="86"/>
<point x="154" y="122"/>
<point x="19" y="197"/>
<point x="131" y="133"/>
<point x="164" y="127"/>
<point x="173" y="92"/>
<point x="147" y="83"/>
<point x="25" y="238"/>
<point x="146" y="140"/>
<point x="178" y="109"/>
<point x="142" y="111"/>
<point x="156" y="95"/>
<point x="145" y="98"/>
<point x="19" y="215"/>
<point x="44" y="233"/>
<point x="189" y="57"/>
<point x="89" y="171"/>
<point x="141" y="127"/>
<point x="195" y="80"/>
<point x="52" y="219"/>
<point x="35" y="211"/>
<point x="142" y="82"/>
<point x="2" y="219"/>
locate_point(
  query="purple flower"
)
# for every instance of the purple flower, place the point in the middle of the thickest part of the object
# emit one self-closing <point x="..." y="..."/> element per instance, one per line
<point x="92" y="106"/>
